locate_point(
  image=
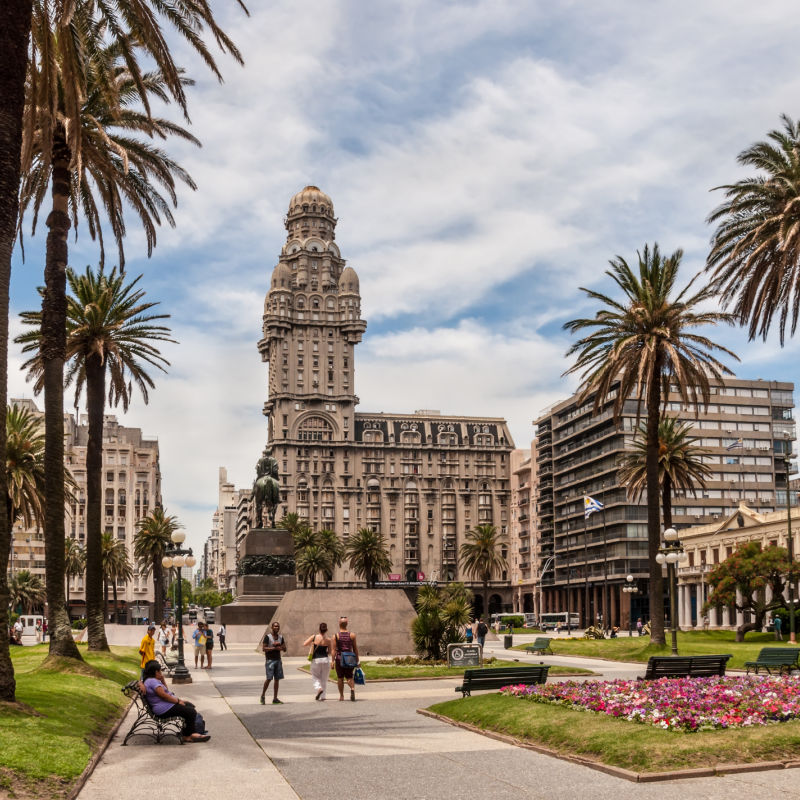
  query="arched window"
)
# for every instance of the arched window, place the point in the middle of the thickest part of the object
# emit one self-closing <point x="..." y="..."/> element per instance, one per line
<point x="315" y="429"/>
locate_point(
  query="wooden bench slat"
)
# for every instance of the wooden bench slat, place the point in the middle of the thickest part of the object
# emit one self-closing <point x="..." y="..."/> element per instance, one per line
<point x="787" y="658"/>
<point x="685" y="666"/>
<point x="502" y="676"/>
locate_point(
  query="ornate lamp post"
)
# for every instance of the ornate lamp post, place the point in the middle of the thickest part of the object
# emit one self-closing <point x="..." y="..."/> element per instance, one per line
<point x="787" y="458"/>
<point x="631" y="588"/>
<point x="670" y="553"/>
<point x="176" y="556"/>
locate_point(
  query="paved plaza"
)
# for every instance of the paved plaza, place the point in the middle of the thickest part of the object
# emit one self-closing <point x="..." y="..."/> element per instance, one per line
<point x="375" y="748"/>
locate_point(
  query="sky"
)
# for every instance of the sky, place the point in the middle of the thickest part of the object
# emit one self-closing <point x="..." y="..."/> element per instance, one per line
<point x="485" y="160"/>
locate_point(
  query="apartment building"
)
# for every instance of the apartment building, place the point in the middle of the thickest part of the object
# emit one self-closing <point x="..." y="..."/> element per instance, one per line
<point x="746" y="429"/>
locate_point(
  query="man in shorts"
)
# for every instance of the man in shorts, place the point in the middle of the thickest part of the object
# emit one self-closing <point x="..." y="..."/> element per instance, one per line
<point x="273" y="646"/>
<point x="199" y="639"/>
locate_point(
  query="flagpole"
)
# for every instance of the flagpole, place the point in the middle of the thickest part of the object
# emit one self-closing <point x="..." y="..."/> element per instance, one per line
<point x="585" y="571"/>
<point x="606" y="603"/>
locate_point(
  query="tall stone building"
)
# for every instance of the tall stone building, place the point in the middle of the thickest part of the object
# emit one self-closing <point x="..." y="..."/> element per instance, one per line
<point x="422" y="479"/>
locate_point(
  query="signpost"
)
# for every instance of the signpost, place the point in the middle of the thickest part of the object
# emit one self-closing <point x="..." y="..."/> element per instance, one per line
<point x="460" y="654"/>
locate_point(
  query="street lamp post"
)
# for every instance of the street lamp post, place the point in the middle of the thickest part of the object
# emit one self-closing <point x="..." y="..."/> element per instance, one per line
<point x="670" y="553"/>
<point x="630" y="589"/>
<point x="176" y="556"/>
<point x="787" y="457"/>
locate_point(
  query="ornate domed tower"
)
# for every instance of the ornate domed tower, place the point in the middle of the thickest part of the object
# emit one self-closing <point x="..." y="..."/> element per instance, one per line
<point x="311" y="324"/>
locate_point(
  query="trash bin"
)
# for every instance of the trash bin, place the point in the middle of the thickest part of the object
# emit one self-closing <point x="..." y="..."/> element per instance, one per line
<point x="507" y="641"/>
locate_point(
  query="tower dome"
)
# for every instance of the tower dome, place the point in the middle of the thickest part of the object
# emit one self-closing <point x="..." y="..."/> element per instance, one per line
<point x="311" y="200"/>
<point x="281" y="277"/>
<point x="348" y="282"/>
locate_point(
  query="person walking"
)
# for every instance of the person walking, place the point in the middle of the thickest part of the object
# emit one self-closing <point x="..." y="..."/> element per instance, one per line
<point x="147" y="647"/>
<point x="209" y="644"/>
<point x="480" y="631"/>
<point x="199" y="639"/>
<point x="274" y="645"/>
<point x="163" y="638"/>
<point x="345" y="658"/>
<point x="777" y="623"/>
<point x="221" y="637"/>
<point x="468" y="633"/>
<point x="320" y="660"/>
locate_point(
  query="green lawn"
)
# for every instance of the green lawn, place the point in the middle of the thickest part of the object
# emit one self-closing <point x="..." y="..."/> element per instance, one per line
<point x="638" y="648"/>
<point x="75" y="706"/>
<point x="630" y="745"/>
<point x="374" y="671"/>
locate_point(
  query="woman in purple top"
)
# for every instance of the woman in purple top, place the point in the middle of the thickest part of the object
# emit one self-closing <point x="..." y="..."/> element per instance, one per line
<point x="165" y="704"/>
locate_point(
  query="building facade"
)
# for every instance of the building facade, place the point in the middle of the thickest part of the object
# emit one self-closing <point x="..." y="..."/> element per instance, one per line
<point x="131" y="489"/>
<point x="746" y="429"/>
<point x="422" y="479"/>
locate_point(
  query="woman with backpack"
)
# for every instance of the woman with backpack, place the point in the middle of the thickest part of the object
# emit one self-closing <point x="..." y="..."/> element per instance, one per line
<point x="344" y="658"/>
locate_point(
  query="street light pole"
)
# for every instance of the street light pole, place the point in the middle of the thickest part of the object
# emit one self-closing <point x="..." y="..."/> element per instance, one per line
<point x="670" y="553"/>
<point x="176" y="556"/>
<point x="790" y="547"/>
<point x="631" y="589"/>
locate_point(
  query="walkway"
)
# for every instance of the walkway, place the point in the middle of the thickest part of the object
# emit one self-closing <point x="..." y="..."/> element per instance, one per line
<point x="375" y="748"/>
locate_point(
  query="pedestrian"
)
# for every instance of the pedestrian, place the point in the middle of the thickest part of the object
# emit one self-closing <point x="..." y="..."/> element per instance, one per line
<point x="163" y="638"/>
<point x="468" y="633"/>
<point x="639" y="626"/>
<point x="320" y="653"/>
<point x="165" y="704"/>
<point x="199" y="639"/>
<point x="274" y="644"/>
<point x="209" y="644"/>
<point x="480" y="631"/>
<point x="221" y="637"/>
<point x="777" y="623"/>
<point x="18" y="628"/>
<point x="38" y="631"/>
<point x="345" y="658"/>
<point x="173" y="637"/>
<point x="44" y="631"/>
<point x="147" y="647"/>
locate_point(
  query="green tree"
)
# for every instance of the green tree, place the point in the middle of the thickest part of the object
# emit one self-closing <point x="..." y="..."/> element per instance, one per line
<point x="637" y="348"/>
<point x="334" y="548"/>
<point x="116" y="567"/>
<point x="303" y="538"/>
<point x="187" y="592"/>
<point x="442" y="613"/>
<point x="368" y="555"/>
<point x="310" y="561"/>
<point x="149" y="545"/>
<point x="680" y="464"/>
<point x="742" y="578"/>
<point x="755" y="250"/>
<point x="135" y="25"/>
<point x="27" y="591"/>
<point x="74" y="563"/>
<point x="482" y="555"/>
<point x="24" y="467"/>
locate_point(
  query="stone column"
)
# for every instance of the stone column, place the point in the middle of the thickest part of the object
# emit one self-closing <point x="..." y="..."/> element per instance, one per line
<point x="726" y="616"/>
<point x="613" y="601"/>
<point x="739" y="614"/>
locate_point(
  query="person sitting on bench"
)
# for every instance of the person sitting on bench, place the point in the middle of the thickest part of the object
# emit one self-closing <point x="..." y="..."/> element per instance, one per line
<point x="165" y="704"/>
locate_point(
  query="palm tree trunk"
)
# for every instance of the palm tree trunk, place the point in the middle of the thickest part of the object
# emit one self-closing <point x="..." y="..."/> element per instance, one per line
<point x="105" y="600"/>
<point x="95" y="406"/>
<point x="53" y="347"/>
<point x="486" y="600"/>
<point x="116" y="607"/>
<point x="653" y="503"/>
<point x="666" y="501"/>
<point x="14" y="34"/>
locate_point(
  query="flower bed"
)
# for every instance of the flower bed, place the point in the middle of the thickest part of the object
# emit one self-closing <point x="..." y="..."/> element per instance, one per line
<point x="685" y="704"/>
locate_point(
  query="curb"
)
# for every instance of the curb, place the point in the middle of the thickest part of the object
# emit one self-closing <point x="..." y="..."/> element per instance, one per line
<point x="449" y="677"/>
<point x="95" y="759"/>
<point x="719" y="770"/>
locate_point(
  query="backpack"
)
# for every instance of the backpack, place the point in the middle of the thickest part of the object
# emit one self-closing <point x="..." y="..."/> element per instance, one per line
<point x="482" y="629"/>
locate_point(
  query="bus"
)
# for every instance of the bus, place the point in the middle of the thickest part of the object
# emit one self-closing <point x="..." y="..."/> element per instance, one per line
<point x="557" y="621"/>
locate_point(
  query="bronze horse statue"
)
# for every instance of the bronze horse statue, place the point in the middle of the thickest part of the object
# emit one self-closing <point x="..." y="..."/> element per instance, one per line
<point x="266" y="490"/>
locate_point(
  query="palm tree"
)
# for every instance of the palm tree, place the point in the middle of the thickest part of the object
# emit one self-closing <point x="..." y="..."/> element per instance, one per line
<point x="134" y="25"/>
<point x="481" y="556"/>
<point x="641" y="346"/>
<point x="755" y="250"/>
<point x="680" y="464"/>
<point x="303" y="537"/>
<point x="27" y="591"/>
<point x="333" y="547"/>
<point x="109" y="333"/>
<point x="116" y="567"/>
<point x="149" y="545"/>
<point x="74" y="563"/>
<point x="310" y="561"/>
<point x="25" y="467"/>
<point x="368" y="555"/>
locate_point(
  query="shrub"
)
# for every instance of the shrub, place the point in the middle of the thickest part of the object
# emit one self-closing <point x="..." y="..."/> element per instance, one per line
<point x="78" y="624"/>
<point x="442" y="614"/>
<point x="266" y="565"/>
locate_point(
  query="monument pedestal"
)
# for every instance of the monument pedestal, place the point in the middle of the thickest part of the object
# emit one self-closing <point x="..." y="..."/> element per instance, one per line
<point x="258" y="596"/>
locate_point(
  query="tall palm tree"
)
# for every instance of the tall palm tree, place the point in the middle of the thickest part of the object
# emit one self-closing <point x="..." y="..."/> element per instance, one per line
<point x="368" y="555"/>
<point x="303" y="537"/>
<point x="755" y="250"/>
<point x="116" y="567"/>
<point x="24" y="467"/>
<point x="680" y="464"/>
<point x="638" y="347"/>
<point x="133" y="24"/>
<point x="334" y="548"/>
<point x="109" y="334"/>
<point x="74" y="563"/>
<point x="312" y="560"/>
<point x="149" y="545"/>
<point x="27" y="591"/>
<point x="481" y="556"/>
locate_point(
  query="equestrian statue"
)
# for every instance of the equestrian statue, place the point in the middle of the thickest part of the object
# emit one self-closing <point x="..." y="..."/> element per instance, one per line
<point x="266" y="489"/>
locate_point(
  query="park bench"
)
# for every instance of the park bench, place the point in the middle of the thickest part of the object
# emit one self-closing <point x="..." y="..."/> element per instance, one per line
<point x="146" y="722"/>
<point x="685" y="666"/>
<point x="779" y="658"/>
<point x="541" y="644"/>
<point x="475" y="679"/>
<point x="167" y="663"/>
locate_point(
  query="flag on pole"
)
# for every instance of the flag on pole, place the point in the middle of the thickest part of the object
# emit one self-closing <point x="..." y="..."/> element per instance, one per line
<point x="734" y="445"/>
<point x="590" y="505"/>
